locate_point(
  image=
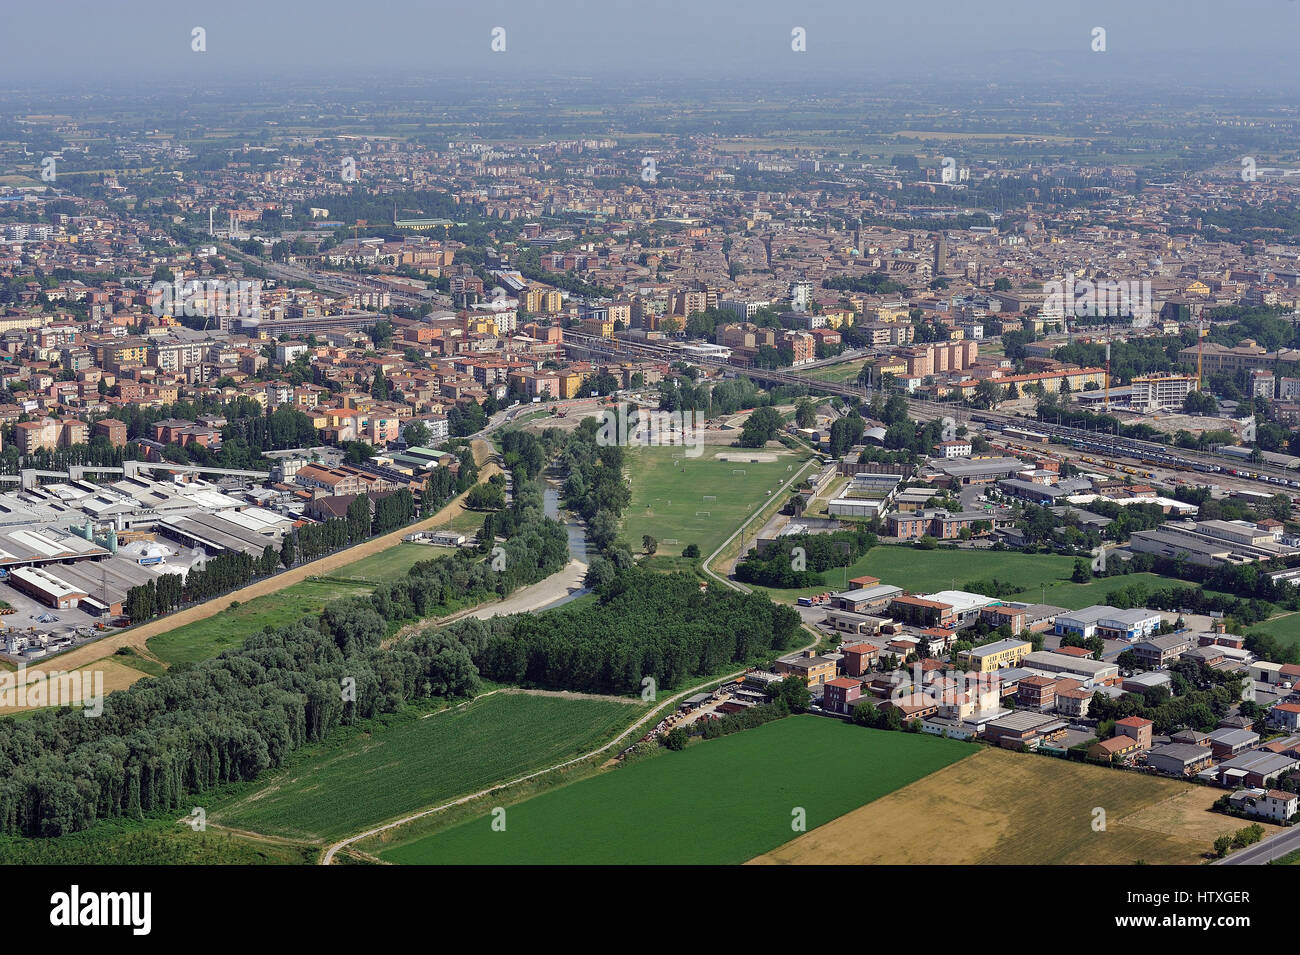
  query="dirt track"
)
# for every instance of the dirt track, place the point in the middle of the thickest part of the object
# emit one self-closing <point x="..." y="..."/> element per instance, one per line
<point x="555" y="587"/>
<point x="136" y="637"/>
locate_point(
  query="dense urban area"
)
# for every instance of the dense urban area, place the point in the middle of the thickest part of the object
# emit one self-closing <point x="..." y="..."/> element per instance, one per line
<point x="566" y="470"/>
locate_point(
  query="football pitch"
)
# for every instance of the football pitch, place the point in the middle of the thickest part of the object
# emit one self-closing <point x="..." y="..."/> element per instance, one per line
<point x="698" y="500"/>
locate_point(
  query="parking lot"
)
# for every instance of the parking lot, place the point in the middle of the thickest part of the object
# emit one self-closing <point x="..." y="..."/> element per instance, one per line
<point x="28" y="613"/>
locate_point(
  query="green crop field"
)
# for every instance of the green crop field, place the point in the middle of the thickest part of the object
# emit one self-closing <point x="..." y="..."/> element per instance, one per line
<point x="668" y="495"/>
<point x="228" y="629"/>
<point x="716" y="802"/>
<point x="412" y="760"/>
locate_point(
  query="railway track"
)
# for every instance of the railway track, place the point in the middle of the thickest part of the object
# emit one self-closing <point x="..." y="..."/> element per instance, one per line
<point x="1151" y="453"/>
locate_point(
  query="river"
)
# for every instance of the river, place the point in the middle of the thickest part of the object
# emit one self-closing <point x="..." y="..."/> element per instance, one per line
<point x="577" y="539"/>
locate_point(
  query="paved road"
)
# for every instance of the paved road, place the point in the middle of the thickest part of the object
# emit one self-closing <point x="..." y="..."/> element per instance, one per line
<point x="1262" y="853"/>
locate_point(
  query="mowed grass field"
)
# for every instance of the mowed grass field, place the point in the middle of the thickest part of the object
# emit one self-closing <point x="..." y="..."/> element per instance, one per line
<point x="1073" y="596"/>
<point x="928" y="571"/>
<point x="668" y="494"/>
<point x="840" y="373"/>
<point x="412" y="760"/>
<point x="1004" y="808"/>
<point x="1041" y="577"/>
<point x="391" y="563"/>
<point x="1286" y="628"/>
<point x="719" y="801"/>
<point x="228" y="629"/>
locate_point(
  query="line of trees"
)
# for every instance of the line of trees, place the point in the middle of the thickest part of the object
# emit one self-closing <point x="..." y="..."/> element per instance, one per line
<point x="231" y="718"/>
<point x="230" y="571"/>
<point x="228" y="719"/>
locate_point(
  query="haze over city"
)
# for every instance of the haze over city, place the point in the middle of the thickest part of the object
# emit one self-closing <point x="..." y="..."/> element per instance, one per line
<point x="497" y="435"/>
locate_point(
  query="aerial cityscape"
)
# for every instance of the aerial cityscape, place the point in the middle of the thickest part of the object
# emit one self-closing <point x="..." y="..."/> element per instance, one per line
<point x="510" y="456"/>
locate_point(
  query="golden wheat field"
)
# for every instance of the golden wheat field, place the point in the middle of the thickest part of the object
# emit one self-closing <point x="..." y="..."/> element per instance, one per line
<point x="999" y="807"/>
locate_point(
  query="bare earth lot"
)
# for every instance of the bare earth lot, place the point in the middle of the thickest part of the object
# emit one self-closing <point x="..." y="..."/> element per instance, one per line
<point x="1004" y="808"/>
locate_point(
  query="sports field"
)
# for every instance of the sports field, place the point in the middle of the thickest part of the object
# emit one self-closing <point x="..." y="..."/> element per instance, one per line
<point x="716" y="802"/>
<point x="669" y="494"/>
<point x="411" y="760"/>
<point x="1004" y="808"/>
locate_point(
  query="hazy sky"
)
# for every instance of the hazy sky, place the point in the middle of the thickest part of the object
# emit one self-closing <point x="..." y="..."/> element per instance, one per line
<point x="99" y="43"/>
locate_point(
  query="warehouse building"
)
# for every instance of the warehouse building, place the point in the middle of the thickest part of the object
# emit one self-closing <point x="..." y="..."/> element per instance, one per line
<point x="96" y="587"/>
<point x="980" y="471"/>
<point x="1179" y="759"/>
<point x="36" y="546"/>
<point x="1081" y="668"/>
<point x="867" y="599"/>
<point x="50" y="590"/>
<point x="1109" y="623"/>
<point x="248" y="531"/>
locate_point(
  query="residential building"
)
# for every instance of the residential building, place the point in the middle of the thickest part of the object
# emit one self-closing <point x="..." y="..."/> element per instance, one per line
<point x="1137" y="728"/>
<point x="996" y="656"/>
<point x="1158" y="652"/>
<point x="841" y="695"/>
<point x="1270" y="804"/>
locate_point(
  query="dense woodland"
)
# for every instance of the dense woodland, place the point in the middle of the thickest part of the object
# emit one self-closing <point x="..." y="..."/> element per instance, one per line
<point x="595" y="489"/>
<point x="233" y="717"/>
<point x="799" y="560"/>
<point x="643" y="625"/>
